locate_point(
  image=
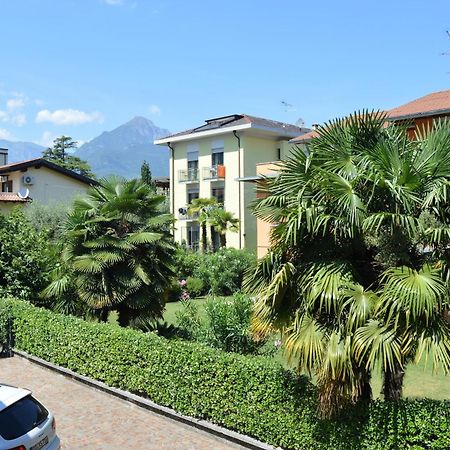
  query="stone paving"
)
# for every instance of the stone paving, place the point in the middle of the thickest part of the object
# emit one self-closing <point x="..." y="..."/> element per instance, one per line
<point x="90" y="419"/>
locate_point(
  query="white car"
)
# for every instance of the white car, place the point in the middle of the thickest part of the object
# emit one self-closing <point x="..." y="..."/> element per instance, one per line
<point x="25" y="424"/>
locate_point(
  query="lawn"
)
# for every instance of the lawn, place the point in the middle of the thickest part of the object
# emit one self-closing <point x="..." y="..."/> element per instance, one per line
<point x="172" y="308"/>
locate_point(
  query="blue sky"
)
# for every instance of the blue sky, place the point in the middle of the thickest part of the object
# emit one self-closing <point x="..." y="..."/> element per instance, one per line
<point x="79" y="67"/>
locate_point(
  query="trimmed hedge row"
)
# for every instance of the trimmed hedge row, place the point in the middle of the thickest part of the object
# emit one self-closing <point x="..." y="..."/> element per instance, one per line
<point x="251" y="395"/>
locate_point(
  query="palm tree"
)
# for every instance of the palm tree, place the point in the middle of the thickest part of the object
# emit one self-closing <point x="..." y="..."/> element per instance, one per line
<point x="358" y="270"/>
<point x="118" y="253"/>
<point x="202" y="207"/>
<point x="222" y="221"/>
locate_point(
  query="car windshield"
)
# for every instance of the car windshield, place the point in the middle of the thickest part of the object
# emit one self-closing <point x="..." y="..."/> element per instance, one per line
<point x="21" y="417"/>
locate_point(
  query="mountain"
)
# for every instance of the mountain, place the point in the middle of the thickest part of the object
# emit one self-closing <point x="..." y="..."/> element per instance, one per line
<point x="122" y="150"/>
<point x="18" y="151"/>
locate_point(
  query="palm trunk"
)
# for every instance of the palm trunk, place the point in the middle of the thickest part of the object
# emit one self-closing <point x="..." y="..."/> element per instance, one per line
<point x="124" y="314"/>
<point x="103" y="315"/>
<point x="223" y="240"/>
<point x="393" y="382"/>
<point x="213" y="244"/>
<point x="204" y="241"/>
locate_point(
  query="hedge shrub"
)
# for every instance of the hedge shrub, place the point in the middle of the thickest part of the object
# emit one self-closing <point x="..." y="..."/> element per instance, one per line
<point x="252" y="395"/>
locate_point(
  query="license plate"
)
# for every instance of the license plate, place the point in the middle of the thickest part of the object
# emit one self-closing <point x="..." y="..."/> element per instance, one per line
<point x="40" y="444"/>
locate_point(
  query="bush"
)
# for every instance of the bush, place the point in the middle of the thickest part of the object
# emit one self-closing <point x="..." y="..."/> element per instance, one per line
<point x="26" y="257"/>
<point x="251" y="395"/>
<point x="195" y="286"/>
<point x="225" y="327"/>
<point x="221" y="272"/>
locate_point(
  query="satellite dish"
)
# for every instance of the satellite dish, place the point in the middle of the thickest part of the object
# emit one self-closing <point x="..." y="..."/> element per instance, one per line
<point x="23" y="192"/>
<point x="300" y="122"/>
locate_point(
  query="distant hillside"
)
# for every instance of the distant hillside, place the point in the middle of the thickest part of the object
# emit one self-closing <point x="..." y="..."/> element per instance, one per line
<point x="122" y="150"/>
<point x="19" y="151"/>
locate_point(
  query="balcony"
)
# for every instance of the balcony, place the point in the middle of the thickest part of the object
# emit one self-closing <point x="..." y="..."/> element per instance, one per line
<point x="183" y="214"/>
<point x="188" y="176"/>
<point x="214" y="172"/>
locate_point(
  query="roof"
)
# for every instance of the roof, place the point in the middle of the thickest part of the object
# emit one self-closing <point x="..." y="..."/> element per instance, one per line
<point x="10" y="395"/>
<point x="236" y="122"/>
<point x="430" y="105"/>
<point x="305" y="137"/>
<point x="12" y="198"/>
<point x="41" y="162"/>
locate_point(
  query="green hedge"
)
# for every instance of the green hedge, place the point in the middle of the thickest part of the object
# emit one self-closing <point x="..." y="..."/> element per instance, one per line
<point x="252" y="395"/>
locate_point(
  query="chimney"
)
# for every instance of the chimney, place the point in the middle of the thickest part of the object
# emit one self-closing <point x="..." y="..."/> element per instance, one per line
<point x="315" y="126"/>
<point x="3" y="156"/>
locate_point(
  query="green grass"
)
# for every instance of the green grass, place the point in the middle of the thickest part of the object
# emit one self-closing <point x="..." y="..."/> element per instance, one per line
<point x="172" y="308"/>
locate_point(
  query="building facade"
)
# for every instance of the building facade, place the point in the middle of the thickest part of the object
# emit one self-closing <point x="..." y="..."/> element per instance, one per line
<point x="208" y="161"/>
<point x="38" y="180"/>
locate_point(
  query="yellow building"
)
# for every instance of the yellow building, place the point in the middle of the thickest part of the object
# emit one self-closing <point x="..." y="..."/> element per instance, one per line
<point x="210" y="160"/>
<point x="38" y="180"/>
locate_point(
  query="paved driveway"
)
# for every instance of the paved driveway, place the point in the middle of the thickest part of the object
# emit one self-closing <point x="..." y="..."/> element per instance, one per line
<point x="91" y="419"/>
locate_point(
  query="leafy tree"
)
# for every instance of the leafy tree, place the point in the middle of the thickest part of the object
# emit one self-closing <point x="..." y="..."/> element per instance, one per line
<point x="203" y="207"/>
<point x="58" y="154"/>
<point x="222" y="221"/>
<point x="26" y="257"/>
<point x="118" y="253"/>
<point x="358" y="270"/>
<point x="146" y="175"/>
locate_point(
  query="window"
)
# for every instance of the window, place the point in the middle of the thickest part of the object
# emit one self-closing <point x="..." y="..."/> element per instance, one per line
<point x="217" y="159"/>
<point x="217" y="152"/>
<point x="21" y="417"/>
<point x="192" y="162"/>
<point x="219" y="194"/>
<point x="191" y="195"/>
<point x="193" y="236"/>
<point x="7" y="186"/>
<point x="3" y="157"/>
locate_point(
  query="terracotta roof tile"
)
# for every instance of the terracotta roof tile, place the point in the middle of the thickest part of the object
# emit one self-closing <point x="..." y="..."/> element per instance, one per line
<point x="431" y="104"/>
<point x="11" y="197"/>
<point x="305" y="137"/>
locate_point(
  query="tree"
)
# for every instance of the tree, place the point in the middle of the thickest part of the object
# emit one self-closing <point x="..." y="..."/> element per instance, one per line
<point x="202" y="207"/>
<point x="58" y="154"/>
<point x="118" y="252"/>
<point x="26" y="257"/>
<point x="358" y="270"/>
<point x="146" y="175"/>
<point x="222" y="221"/>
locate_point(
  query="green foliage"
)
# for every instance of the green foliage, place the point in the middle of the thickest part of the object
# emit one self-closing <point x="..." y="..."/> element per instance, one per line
<point x="59" y="154"/>
<point x="226" y="325"/>
<point x="26" y="257"/>
<point x="251" y="395"/>
<point x="223" y="221"/>
<point x="117" y="252"/>
<point x="49" y="219"/>
<point x="195" y="286"/>
<point x="221" y="272"/>
<point x="146" y="176"/>
<point x="357" y="275"/>
<point x="189" y="322"/>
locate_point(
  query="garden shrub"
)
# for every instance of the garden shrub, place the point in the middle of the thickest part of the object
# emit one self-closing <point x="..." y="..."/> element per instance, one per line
<point x="195" y="286"/>
<point x="222" y="272"/>
<point x="252" y="395"/>
<point x="26" y="257"/>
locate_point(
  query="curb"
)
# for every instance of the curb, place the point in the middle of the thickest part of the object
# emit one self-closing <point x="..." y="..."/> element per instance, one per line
<point x="208" y="427"/>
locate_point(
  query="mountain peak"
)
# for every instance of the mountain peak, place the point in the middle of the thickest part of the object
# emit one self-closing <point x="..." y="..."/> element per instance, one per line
<point x="140" y="121"/>
<point x="121" y="151"/>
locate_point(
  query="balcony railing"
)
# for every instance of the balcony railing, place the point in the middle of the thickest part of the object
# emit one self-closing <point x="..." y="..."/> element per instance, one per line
<point x="188" y="176"/>
<point x="214" y="172"/>
<point x="184" y="214"/>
